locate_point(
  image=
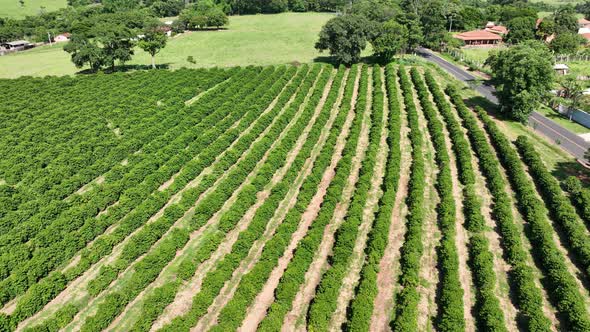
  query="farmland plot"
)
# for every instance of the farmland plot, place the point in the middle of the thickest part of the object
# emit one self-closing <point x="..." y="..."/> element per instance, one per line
<point x="279" y="199"/>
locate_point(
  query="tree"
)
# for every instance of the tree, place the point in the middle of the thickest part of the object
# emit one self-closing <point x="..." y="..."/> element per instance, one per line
<point x="391" y="40"/>
<point x="415" y="36"/>
<point x="520" y="91"/>
<point x="167" y="8"/>
<point x="573" y="90"/>
<point x="565" y="20"/>
<point x="152" y="42"/>
<point x="216" y="18"/>
<point x="545" y="29"/>
<point x="374" y="10"/>
<point x="432" y="17"/>
<point x="103" y="45"/>
<point x="202" y="15"/>
<point x="469" y="18"/>
<point x="85" y="51"/>
<point x="345" y="37"/>
<point x="521" y="29"/>
<point x="116" y="41"/>
<point x="566" y="43"/>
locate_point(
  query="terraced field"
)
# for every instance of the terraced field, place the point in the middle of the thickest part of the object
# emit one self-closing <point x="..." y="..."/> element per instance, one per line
<point x="279" y="199"/>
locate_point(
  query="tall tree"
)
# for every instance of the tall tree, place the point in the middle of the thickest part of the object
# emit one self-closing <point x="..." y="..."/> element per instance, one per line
<point x="521" y="29"/>
<point x="565" y="20"/>
<point x="432" y="16"/>
<point x="152" y="42"/>
<point x="566" y="43"/>
<point x="345" y="37"/>
<point x="392" y="39"/>
<point x="520" y="91"/>
<point x="84" y="51"/>
<point x="415" y="35"/>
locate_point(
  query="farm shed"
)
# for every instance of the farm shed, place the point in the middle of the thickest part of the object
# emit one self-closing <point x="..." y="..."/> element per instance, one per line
<point x="561" y="68"/>
<point x="479" y="37"/>
<point x="16" y="45"/>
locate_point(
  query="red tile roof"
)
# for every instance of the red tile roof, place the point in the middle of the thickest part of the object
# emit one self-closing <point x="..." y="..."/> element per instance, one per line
<point x="583" y="21"/>
<point x="586" y="35"/>
<point x="498" y="29"/>
<point x="478" y="35"/>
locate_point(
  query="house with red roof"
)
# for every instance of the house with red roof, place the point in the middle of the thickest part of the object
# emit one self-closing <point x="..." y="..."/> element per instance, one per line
<point x="479" y="38"/>
<point x="64" y="37"/>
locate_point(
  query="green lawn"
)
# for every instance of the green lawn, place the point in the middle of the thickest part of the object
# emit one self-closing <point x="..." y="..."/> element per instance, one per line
<point x="13" y="9"/>
<point x="564" y="121"/>
<point x="249" y="40"/>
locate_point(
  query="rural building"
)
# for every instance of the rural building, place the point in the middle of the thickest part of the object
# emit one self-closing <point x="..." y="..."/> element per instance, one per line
<point x="583" y="23"/>
<point x="479" y="38"/>
<point x="561" y="68"/>
<point x="64" y="37"/>
<point x="16" y="45"/>
<point x="497" y="29"/>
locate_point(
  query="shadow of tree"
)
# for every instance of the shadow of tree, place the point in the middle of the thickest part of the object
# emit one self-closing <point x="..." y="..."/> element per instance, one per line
<point x="123" y="68"/>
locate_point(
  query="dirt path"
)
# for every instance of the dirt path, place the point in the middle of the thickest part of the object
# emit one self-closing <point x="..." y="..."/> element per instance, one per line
<point x="76" y="291"/>
<point x="462" y="236"/>
<point x="313" y="275"/>
<point x="228" y="290"/>
<point x="262" y="302"/>
<point x="183" y="299"/>
<point x="427" y="308"/>
<point x="211" y="89"/>
<point x="371" y="205"/>
<point x="183" y="221"/>
<point x="548" y="309"/>
<point x="196" y="237"/>
<point x="389" y="265"/>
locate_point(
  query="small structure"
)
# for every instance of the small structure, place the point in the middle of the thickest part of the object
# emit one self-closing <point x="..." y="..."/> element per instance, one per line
<point x="166" y="29"/>
<point x="64" y="37"/>
<point x="583" y="23"/>
<point x="497" y="29"/>
<point x="16" y="45"/>
<point x="561" y="68"/>
<point x="479" y="38"/>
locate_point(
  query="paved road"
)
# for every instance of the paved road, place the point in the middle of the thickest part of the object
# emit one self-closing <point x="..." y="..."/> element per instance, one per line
<point x="569" y="141"/>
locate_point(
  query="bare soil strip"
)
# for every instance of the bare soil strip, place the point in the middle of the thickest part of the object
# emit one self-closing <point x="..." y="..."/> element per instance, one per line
<point x="257" y="310"/>
<point x="92" y="307"/>
<point x="313" y="275"/>
<point x="548" y="308"/>
<point x="374" y="195"/>
<point x="389" y="265"/>
<point x="427" y="308"/>
<point x="462" y="236"/>
<point x="211" y="89"/>
<point x="183" y="299"/>
<point x="196" y="237"/>
<point x="501" y="268"/>
<point x="76" y="291"/>
<point x="228" y="290"/>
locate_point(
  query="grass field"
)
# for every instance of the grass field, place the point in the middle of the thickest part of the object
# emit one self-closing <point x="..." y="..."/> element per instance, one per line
<point x="13" y="9"/>
<point x="249" y="40"/>
<point x="302" y="197"/>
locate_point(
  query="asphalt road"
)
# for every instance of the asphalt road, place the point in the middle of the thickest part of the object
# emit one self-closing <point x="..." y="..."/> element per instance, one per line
<point x="566" y="139"/>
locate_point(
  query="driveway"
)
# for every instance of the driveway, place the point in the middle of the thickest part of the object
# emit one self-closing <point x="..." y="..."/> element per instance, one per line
<point x="567" y="140"/>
